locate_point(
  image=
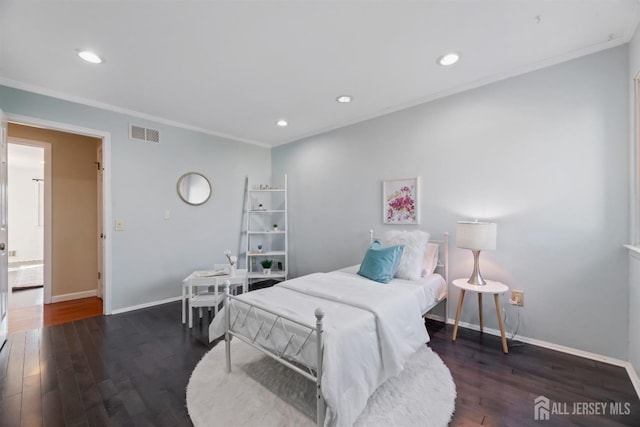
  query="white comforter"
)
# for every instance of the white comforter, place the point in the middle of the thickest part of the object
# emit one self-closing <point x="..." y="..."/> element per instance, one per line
<point x="370" y="330"/>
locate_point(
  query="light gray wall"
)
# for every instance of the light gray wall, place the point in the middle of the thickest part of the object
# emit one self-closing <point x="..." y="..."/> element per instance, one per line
<point x="634" y="258"/>
<point x="544" y="154"/>
<point x="152" y="255"/>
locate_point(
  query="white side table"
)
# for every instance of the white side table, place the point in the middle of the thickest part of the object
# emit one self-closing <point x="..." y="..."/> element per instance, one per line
<point x="206" y="279"/>
<point x="492" y="287"/>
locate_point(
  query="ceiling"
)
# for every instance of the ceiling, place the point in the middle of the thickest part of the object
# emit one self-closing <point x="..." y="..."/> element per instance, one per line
<point x="234" y="68"/>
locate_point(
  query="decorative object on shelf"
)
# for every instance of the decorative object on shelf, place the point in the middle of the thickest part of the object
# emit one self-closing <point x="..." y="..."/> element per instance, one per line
<point x="264" y="187"/>
<point x="260" y="207"/>
<point x="476" y="235"/>
<point x="232" y="262"/>
<point x="400" y="201"/>
<point x="259" y="248"/>
<point x="194" y="188"/>
<point x="275" y="227"/>
<point x="266" y="266"/>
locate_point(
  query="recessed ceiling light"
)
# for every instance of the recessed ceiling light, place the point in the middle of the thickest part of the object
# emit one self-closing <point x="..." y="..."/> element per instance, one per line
<point x="343" y="99"/>
<point x="448" y="59"/>
<point x="282" y="123"/>
<point x="90" y="57"/>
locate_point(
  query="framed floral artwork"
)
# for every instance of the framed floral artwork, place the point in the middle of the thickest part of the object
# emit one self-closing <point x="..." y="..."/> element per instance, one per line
<point x="400" y="204"/>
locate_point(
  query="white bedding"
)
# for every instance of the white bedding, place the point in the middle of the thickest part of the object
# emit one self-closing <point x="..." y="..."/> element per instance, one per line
<point x="370" y="330"/>
<point x="428" y="290"/>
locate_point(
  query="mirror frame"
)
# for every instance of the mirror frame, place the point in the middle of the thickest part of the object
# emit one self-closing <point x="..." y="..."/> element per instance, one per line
<point x="183" y="177"/>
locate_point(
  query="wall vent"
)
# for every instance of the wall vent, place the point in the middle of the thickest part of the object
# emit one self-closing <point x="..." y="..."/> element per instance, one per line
<point x="144" y="134"/>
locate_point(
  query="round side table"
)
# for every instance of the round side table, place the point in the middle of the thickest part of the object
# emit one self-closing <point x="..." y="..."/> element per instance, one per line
<point x="492" y="287"/>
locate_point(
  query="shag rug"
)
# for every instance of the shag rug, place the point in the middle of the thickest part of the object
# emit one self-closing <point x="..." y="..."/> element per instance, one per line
<point x="261" y="392"/>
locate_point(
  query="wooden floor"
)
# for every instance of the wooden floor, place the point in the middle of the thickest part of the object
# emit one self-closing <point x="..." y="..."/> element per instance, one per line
<point x="132" y="369"/>
<point x="495" y="389"/>
<point x="37" y="316"/>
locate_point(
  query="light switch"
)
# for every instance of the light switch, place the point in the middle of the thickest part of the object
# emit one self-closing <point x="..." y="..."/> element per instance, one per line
<point x="119" y="224"/>
<point x="167" y="214"/>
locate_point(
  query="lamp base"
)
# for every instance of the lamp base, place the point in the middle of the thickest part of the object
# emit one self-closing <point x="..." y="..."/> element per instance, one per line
<point x="476" y="277"/>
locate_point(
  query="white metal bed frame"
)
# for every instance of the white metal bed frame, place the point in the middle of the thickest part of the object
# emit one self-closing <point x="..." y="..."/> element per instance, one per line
<point x="313" y="374"/>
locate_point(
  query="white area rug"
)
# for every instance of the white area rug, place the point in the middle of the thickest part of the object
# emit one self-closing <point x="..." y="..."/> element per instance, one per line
<point x="261" y="392"/>
<point x="28" y="277"/>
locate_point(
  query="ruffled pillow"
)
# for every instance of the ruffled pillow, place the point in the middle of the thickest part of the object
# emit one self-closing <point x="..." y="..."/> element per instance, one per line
<point x="415" y="244"/>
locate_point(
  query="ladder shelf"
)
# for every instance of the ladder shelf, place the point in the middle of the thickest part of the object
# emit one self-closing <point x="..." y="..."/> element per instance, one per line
<point x="266" y="232"/>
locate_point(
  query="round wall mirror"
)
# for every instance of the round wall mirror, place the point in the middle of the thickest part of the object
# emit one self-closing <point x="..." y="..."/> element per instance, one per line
<point x="194" y="188"/>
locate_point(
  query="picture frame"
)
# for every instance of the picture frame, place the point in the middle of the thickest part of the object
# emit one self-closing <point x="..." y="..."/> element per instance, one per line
<point x="401" y="201"/>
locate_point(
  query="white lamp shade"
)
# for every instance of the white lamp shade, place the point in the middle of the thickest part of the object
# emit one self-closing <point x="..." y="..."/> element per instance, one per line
<point x="476" y="235"/>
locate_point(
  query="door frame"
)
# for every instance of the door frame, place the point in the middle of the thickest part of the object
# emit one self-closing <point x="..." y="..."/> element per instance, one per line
<point x="46" y="146"/>
<point x="106" y="186"/>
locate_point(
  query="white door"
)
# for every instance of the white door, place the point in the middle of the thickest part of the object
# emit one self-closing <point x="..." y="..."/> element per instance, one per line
<point x="100" y="230"/>
<point x="4" y="260"/>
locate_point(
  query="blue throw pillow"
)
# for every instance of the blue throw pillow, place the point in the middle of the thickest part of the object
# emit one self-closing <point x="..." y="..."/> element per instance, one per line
<point x="380" y="263"/>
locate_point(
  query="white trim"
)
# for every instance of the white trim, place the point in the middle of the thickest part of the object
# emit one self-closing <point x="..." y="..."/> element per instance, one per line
<point x="146" y="305"/>
<point x="106" y="193"/>
<point x="633" y="376"/>
<point x="46" y="243"/>
<point x="549" y="345"/>
<point x="633" y="249"/>
<point x="435" y="317"/>
<point x="84" y="101"/>
<point x="75" y="295"/>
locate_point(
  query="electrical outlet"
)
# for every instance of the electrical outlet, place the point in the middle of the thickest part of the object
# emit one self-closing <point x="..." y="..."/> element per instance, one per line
<point x="517" y="298"/>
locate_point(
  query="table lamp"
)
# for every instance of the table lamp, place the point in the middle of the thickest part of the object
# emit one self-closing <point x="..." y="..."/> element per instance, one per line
<point x="476" y="236"/>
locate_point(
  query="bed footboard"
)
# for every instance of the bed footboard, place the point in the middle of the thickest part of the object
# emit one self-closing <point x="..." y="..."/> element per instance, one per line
<point x="278" y="320"/>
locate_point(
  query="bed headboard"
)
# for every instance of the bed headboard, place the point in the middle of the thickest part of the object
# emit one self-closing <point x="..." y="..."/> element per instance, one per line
<point x="443" y="253"/>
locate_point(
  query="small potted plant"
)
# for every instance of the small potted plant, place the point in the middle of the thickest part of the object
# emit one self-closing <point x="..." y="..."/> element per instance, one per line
<point x="266" y="266"/>
<point x="260" y="248"/>
<point x="275" y="227"/>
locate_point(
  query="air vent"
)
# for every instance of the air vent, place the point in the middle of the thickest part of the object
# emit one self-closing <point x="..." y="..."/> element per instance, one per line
<point x="144" y="134"/>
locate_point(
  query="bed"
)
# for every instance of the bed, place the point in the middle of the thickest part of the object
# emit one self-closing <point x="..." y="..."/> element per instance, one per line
<point x="345" y="332"/>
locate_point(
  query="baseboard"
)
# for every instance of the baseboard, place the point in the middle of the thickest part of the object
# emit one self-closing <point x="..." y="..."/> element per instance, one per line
<point x="549" y="345"/>
<point x="436" y="317"/>
<point x="75" y="295"/>
<point x="633" y="375"/>
<point x="145" y="305"/>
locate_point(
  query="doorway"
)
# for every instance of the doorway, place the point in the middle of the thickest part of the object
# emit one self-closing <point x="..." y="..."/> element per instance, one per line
<point x="26" y="178"/>
<point x="71" y="271"/>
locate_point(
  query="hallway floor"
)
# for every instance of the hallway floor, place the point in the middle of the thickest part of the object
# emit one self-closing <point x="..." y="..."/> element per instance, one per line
<point x="26" y="308"/>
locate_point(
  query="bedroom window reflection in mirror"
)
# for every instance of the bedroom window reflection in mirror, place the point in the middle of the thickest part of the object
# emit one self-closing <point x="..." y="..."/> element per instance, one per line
<point x="194" y="188"/>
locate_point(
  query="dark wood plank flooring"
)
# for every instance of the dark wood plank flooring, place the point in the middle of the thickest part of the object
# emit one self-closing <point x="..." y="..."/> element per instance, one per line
<point x="495" y="389"/>
<point x="132" y="369"/>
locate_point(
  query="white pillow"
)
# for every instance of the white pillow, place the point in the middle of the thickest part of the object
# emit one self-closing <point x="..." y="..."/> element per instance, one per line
<point x="415" y="243"/>
<point x="430" y="259"/>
